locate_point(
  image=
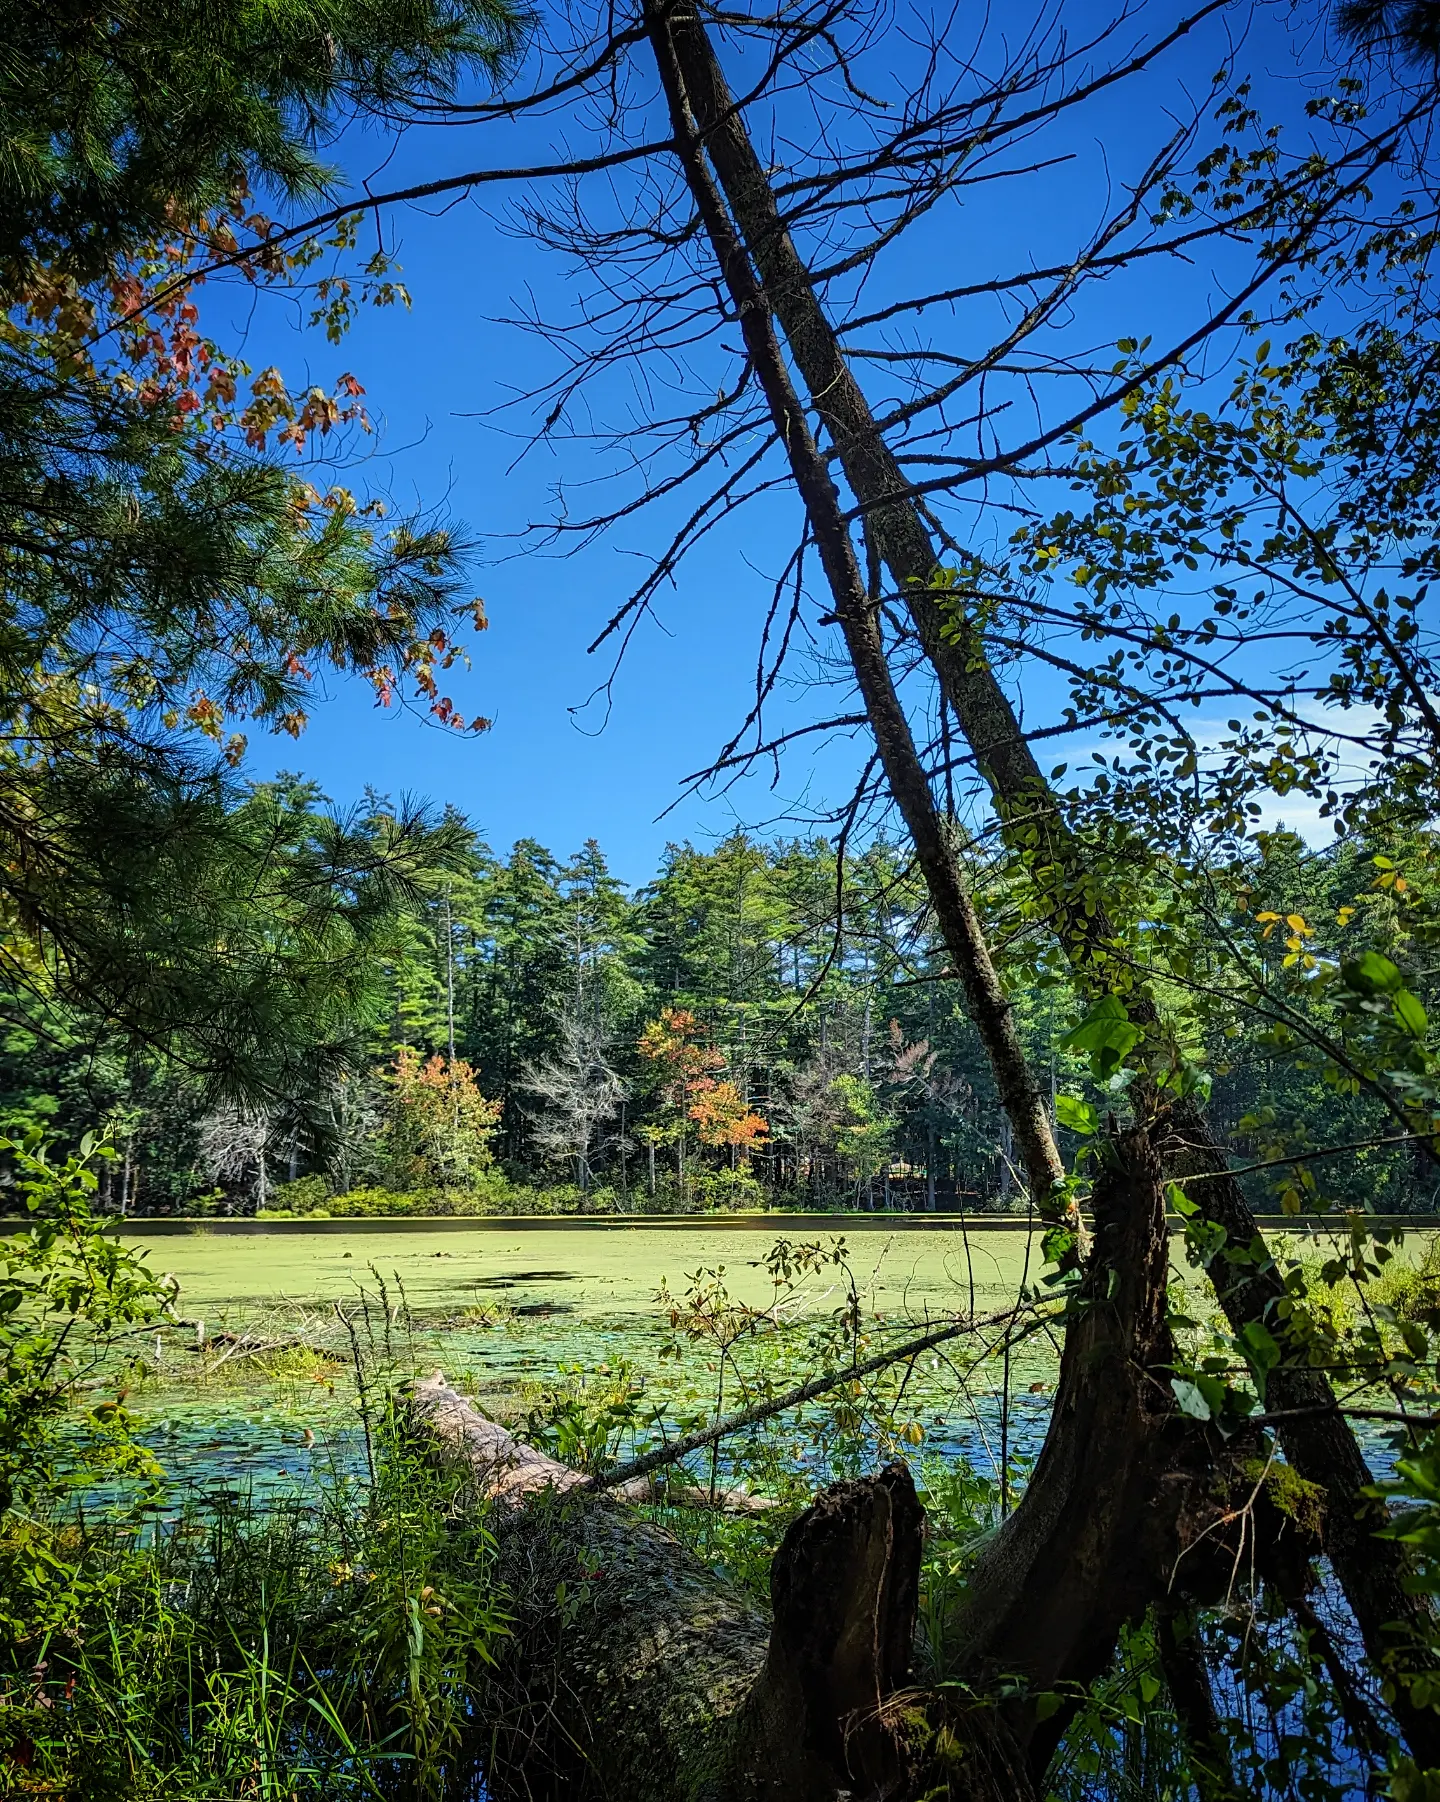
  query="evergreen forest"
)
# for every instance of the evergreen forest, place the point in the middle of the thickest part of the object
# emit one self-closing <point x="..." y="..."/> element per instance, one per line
<point x="764" y="1024"/>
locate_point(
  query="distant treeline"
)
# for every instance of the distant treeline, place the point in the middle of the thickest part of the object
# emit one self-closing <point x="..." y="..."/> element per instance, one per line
<point x="759" y="1023"/>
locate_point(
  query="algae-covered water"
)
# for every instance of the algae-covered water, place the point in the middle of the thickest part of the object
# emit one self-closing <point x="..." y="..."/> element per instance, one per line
<point x="585" y="1271"/>
<point x="508" y="1309"/>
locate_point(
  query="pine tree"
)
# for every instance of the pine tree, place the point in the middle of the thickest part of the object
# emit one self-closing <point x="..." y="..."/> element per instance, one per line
<point x="167" y="577"/>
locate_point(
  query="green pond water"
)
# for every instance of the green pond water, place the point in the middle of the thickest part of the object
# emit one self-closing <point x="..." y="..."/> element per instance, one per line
<point x="609" y="1272"/>
<point x="504" y="1309"/>
<point x="507" y="1308"/>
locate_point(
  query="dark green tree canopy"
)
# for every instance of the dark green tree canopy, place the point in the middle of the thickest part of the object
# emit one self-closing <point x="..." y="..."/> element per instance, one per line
<point x="118" y="121"/>
<point x="166" y="571"/>
<point x="1408" y="28"/>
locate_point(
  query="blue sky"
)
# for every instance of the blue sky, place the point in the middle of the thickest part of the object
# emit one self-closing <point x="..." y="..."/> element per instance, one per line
<point x="434" y="377"/>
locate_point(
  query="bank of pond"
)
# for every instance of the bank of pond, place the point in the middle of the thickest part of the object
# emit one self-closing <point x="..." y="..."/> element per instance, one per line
<point x="274" y="1518"/>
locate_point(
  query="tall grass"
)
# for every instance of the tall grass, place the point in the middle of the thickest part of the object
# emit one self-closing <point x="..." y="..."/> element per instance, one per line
<point x="325" y="1647"/>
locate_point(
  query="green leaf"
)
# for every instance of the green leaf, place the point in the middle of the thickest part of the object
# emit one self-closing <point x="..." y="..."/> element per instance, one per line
<point x="1107" y="1034"/>
<point x="1189" y="1400"/>
<point x="1222" y="1399"/>
<point x="1261" y="1352"/>
<point x="1080" y="1116"/>
<point x="1371" y="974"/>
<point x="1410" y="1013"/>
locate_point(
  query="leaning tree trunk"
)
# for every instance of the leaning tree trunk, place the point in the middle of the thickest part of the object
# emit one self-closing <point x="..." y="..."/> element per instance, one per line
<point x="1395" y="1621"/>
<point x="955" y="911"/>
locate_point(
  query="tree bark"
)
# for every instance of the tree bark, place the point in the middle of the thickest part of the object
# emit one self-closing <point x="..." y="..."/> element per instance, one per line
<point x="1130" y="1504"/>
<point x="641" y="1675"/>
<point x="1317" y="1440"/>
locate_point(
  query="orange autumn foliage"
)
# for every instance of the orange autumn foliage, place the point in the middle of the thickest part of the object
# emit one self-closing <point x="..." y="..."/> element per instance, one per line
<point x="440" y="1123"/>
<point x="672" y="1041"/>
<point x="723" y="1117"/>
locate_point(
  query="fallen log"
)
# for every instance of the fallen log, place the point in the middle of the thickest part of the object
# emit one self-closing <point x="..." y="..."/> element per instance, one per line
<point x="638" y="1673"/>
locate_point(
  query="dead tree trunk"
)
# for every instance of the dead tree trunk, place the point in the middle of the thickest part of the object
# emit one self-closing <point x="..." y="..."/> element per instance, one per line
<point x="1317" y="1440"/>
<point x="959" y="923"/>
<point x="641" y="1675"/>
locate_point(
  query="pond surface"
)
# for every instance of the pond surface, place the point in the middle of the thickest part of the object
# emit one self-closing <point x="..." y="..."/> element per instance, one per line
<point x="504" y="1307"/>
<point x="582" y="1269"/>
<point x="507" y="1308"/>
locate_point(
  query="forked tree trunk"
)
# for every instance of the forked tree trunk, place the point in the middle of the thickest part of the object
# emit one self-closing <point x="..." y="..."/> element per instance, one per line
<point x="1395" y="1621"/>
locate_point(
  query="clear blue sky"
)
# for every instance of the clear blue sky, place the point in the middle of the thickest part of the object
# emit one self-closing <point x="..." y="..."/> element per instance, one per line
<point x="432" y="373"/>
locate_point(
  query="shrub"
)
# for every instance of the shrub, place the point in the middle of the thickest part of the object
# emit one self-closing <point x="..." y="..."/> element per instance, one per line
<point x="736" y="1188"/>
<point x="306" y="1195"/>
<point x="317" y="1651"/>
<point x="490" y="1193"/>
<point x="375" y="1203"/>
<point x="709" y="1191"/>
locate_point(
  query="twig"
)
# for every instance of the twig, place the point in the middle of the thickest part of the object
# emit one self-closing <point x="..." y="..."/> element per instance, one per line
<point x="793" y="1398"/>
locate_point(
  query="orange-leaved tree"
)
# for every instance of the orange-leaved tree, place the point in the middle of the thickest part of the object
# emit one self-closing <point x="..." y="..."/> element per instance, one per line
<point x="674" y="1045"/>
<point x="723" y="1117"/>
<point x="440" y="1124"/>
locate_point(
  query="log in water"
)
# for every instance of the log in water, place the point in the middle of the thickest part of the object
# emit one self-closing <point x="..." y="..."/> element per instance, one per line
<point x="640" y="1673"/>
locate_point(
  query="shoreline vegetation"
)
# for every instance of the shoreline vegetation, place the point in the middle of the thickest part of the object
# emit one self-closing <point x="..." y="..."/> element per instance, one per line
<point x="378" y="1633"/>
<point x="741" y="1219"/>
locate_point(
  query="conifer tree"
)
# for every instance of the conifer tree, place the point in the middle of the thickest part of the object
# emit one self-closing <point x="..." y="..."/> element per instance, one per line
<point x="167" y="574"/>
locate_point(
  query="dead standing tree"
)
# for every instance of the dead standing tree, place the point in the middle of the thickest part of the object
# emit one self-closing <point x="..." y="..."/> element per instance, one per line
<point x="1317" y="1439"/>
<point x="578" y="1094"/>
